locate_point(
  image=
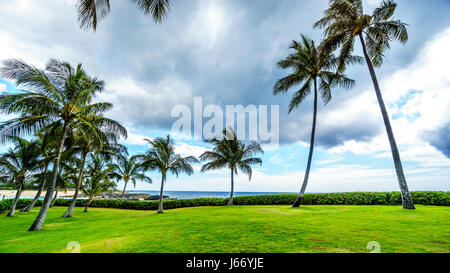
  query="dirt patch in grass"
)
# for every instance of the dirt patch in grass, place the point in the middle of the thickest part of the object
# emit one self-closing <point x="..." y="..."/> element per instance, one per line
<point x="439" y="242"/>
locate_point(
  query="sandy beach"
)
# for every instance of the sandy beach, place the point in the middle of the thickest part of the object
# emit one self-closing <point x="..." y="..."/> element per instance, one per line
<point x="32" y="193"/>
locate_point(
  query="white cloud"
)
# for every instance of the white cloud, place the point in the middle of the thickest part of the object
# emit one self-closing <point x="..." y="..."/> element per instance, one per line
<point x="2" y="87"/>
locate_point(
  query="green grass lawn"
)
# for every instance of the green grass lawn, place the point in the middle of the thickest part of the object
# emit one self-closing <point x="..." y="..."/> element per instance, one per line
<point x="234" y="229"/>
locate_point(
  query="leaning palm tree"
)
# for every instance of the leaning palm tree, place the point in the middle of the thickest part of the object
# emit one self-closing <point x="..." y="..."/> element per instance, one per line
<point x="313" y="68"/>
<point x="103" y="143"/>
<point x="229" y="152"/>
<point x="58" y="98"/>
<point x="20" y="164"/>
<point x="345" y="21"/>
<point x="90" y="12"/>
<point x="129" y="170"/>
<point x="98" y="178"/>
<point x="162" y="157"/>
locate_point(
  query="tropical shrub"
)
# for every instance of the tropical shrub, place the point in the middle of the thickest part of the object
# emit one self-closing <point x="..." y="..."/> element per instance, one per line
<point x="345" y="198"/>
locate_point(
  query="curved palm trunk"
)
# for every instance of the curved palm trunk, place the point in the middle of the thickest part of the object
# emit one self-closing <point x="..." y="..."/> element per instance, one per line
<point x="16" y="199"/>
<point x="54" y="198"/>
<point x="230" y="200"/>
<point x="39" y="221"/>
<point x="299" y="199"/>
<point x="88" y="204"/>
<point x="69" y="212"/>
<point x="160" y="207"/>
<point x="406" y="196"/>
<point x="123" y="192"/>
<point x="36" y="197"/>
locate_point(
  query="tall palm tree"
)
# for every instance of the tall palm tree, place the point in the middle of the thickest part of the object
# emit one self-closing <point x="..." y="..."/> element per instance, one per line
<point x="229" y="152"/>
<point x="59" y="97"/>
<point x="98" y="178"/>
<point x="313" y="68"/>
<point x="345" y="21"/>
<point x="20" y="164"/>
<point x="162" y="157"/>
<point x="90" y="12"/>
<point x="129" y="169"/>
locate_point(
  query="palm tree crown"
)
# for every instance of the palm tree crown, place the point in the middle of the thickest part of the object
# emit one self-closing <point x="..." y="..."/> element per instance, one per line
<point x="229" y="152"/>
<point x="20" y="164"/>
<point x="345" y="19"/>
<point x="129" y="169"/>
<point x="162" y="157"/>
<point x="90" y="12"/>
<point x="59" y="95"/>
<point x="312" y="66"/>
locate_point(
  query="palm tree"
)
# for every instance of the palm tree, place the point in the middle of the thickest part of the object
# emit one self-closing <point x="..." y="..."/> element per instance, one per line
<point x="129" y="170"/>
<point x="60" y="98"/>
<point x="345" y="21"/>
<point x="90" y="12"/>
<point x="162" y="157"/>
<point x="20" y="164"/>
<point x="229" y="152"/>
<point x="312" y="68"/>
<point x="98" y="178"/>
<point x="103" y="142"/>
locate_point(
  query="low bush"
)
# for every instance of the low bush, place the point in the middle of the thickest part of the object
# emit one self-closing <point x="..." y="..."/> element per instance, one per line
<point x="346" y="198"/>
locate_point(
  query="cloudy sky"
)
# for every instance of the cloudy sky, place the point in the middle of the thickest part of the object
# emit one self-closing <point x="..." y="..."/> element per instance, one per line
<point x="225" y="51"/>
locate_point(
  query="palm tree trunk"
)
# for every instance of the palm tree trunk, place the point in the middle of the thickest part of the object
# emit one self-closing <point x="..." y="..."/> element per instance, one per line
<point x="88" y="204"/>
<point x="230" y="201"/>
<point x="299" y="199"/>
<point x="123" y="192"/>
<point x="160" y="207"/>
<point x="406" y="196"/>
<point x="54" y="198"/>
<point x="38" y="194"/>
<point x="39" y="221"/>
<point x="69" y="211"/>
<point x="16" y="199"/>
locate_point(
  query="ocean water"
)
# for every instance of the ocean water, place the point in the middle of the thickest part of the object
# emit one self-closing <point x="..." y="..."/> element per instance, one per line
<point x="205" y="194"/>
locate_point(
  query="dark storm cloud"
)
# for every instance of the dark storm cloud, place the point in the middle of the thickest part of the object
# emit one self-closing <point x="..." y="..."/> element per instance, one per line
<point x="440" y="139"/>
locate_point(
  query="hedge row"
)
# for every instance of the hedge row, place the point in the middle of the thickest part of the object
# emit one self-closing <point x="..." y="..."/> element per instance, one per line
<point x="351" y="198"/>
<point x="348" y="198"/>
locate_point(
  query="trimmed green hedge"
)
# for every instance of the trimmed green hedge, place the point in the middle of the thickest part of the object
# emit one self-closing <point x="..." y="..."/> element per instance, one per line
<point x="346" y="198"/>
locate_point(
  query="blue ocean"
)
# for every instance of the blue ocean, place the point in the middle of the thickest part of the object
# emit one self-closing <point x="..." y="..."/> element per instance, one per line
<point x="205" y="194"/>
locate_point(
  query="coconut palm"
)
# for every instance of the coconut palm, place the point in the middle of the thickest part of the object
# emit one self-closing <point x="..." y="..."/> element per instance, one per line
<point x="129" y="169"/>
<point x="345" y="21"/>
<point x="104" y="143"/>
<point x="98" y="178"/>
<point x="59" y="98"/>
<point x="90" y="12"/>
<point x="314" y="68"/>
<point x="229" y="152"/>
<point x="162" y="157"/>
<point x="20" y="164"/>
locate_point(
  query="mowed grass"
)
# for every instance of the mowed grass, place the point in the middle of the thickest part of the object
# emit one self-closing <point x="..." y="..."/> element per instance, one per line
<point x="234" y="229"/>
